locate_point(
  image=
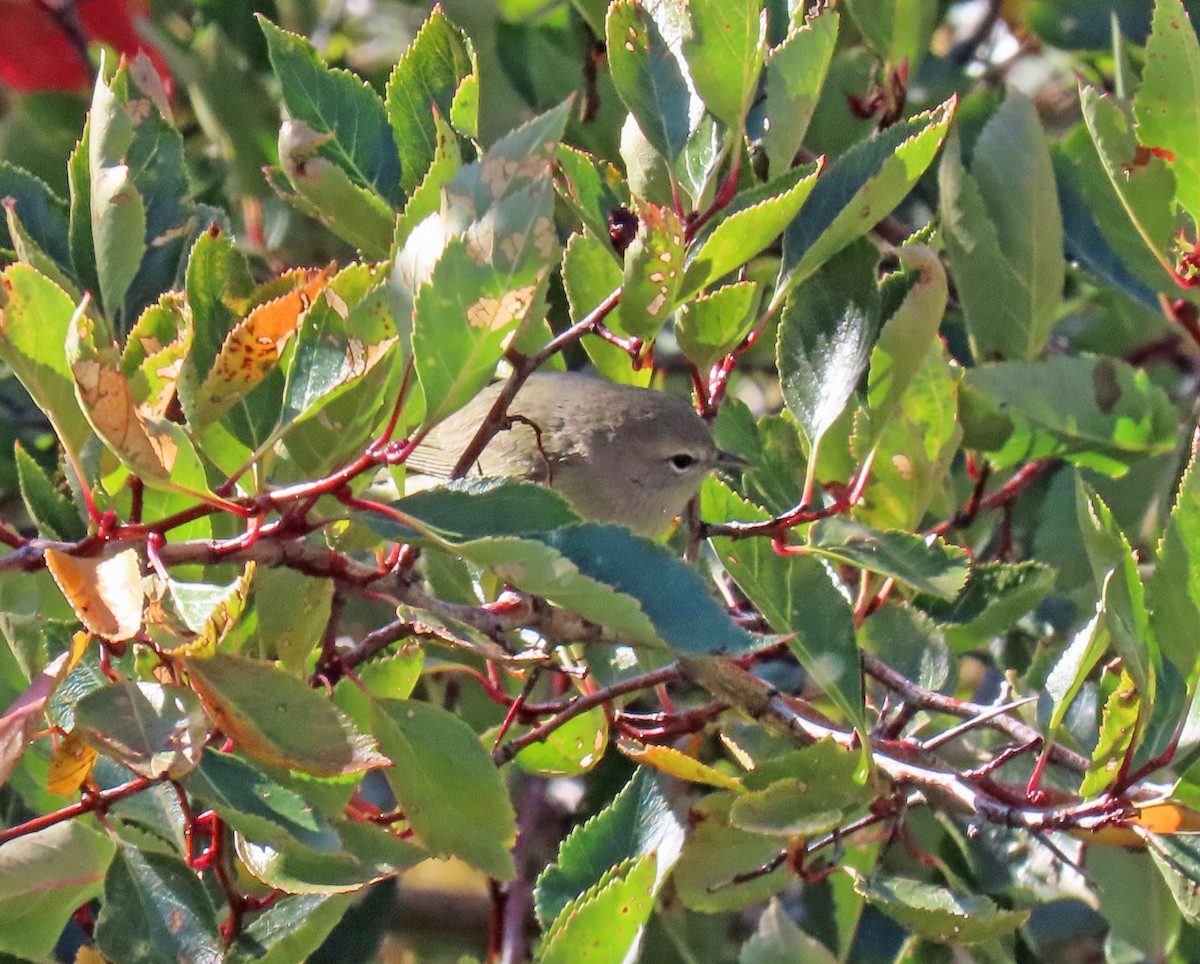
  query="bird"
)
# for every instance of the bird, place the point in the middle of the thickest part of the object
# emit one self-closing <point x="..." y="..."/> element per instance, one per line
<point x="617" y="453"/>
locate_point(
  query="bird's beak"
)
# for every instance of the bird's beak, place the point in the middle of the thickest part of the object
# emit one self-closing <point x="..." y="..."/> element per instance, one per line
<point x="727" y="460"/>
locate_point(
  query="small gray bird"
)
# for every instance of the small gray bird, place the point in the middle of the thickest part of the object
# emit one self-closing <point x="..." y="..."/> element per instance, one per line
<point x="616" y="452"/>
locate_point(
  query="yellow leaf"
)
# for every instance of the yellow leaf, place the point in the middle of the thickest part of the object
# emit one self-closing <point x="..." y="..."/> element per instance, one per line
<point x="672" y="762"/>
<point x="71" y="765"/>
<point x="105" y="591"/>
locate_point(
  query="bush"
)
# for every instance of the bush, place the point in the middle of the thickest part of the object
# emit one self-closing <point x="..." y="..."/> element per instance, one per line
<point x="920" y="677"/>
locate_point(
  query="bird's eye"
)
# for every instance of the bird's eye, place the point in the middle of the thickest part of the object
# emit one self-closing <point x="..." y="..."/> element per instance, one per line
<point x="682" y="462"/>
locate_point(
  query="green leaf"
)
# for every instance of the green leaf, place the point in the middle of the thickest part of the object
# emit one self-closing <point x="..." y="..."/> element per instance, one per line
<point x="997" y="595"/>
<point x="936" y="913"/>
<point x="1074" y="665"/>
<point x="155" y="909"/>
<point x="590" y="273"/>
<point x="778" y="940"/>
<point x="572" y="749"/>
<point x="291" y="929"/>
<point x="935" y="567"/>
<point x="153" y="729"/>
<point x="118" y="210"/>
<point x="43" y="215"/>
<point x="717" y="854"/>
<point x="473" y="304"/>
<point x="1120" y="725"/>
<point x="331" y="195"/>
<point x="906" y="339"/>
<point x="859" y="190"/>
<point x="29" y="252"/>
<point x="255" y="805"/>
<point x="367" y="853"/>
<point x="1174" y="590"/>
<point x="795" y="77"/>
<point x="452" y="795"/>
<point x="1096" y="412"/>
<point x="899" y="32"/>
<point x="751" y="221"/>
<point x="909" y="642"/>
<point x="35" y="316"/>
<point x="54" y="514"/>
<point x="83" y="252"/>
<point x="293" y="610"/>
<point x="825" y="335"/>
<point x="426" y="197"/>
<point x="1115" y="569"/>
<point x="1167" y="105"/>
<point x="1177" y="857"/>
<point x="796" y="596"/>
<point x="724" y="47"/>
<point x="657" y="579"/>
<point x="1004" y="234"/>
<point x="639" y="822"/>
<point x="257" y="705"/>
<point x="822" y="785"/>
<point x="44" y="877"/>
<point x="425" y="80"/>
<point x="592" y="187"/>
<point x="653" y="272"/>
<point x="1132" y="203"/>
<point x="607" y="920"/>
<point x="710" y="326"/>
<point x="337" y="102"/>
<point x="649" y="78"/>
<point x="467" y="509"/>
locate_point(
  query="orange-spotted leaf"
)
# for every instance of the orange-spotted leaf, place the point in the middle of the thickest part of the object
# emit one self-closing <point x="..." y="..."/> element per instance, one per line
<point x="677" y="764"/>
<point x="254" y="347"/>
<point x="653" y="272"/>
<point x="71" y="764"/>
<point x="105" y="591"/>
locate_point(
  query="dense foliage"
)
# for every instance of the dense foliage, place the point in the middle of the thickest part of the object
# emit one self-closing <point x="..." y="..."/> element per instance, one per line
<point x="918" y="683"/>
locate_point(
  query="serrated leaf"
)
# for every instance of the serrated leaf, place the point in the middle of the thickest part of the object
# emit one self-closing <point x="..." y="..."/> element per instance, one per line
<point x="423" y="81"/>
<point x="909" y="642"/>
<point x="44" y="877"/>
<point x="796" y="596"/>
<point x="1119" y="584"/>
<point x="934" y="567"/>
<point x="330" y="195"/>
<point x="898" y="32"/>
<point x="1120" y="726"/>
<point x="710" y="326"/>
<point x="257" y="705"/>
<point x="1177" y="858"/>
<point x="452" y="795"/>
<point x="996" y="596"/>
<point x="105" y="591"/>
<point x="592" y="187"/>
<point x="795" y="76"/>
<point x="724" y="47"/>
<point x="1174" y="591"/>
<point x="43" y="215"/>
<point x="155" y="908"/>
<point x="291" y="929"/>
<point x="337" y="102"/>
<point x="648" y="77"/>
<point x="1134" y="204"/>
<point x="936" y="913"/>
<point x="653" y="272"/>
<point x="747" y="225"/>
<point x="472" y="303"/>
<point x="153" y="729"/>
<point x="199" y="615"/>
<point x="638" y="822"/>
<point x="1166" y="105"/>
<point x="1004" y="234"/>
<point x="1076" y="662"/>
<point x="53" y="513"/>
<point x="607" y="920"/>
<point x="35" y="318"/>
<point x="859" y="189"/>
<point x="1096" y="412"/>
